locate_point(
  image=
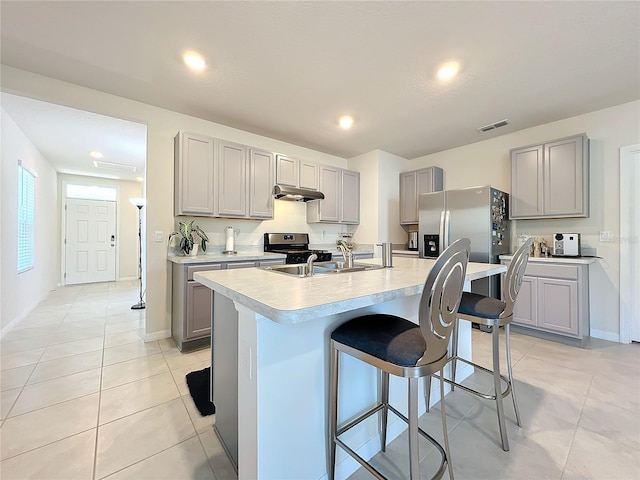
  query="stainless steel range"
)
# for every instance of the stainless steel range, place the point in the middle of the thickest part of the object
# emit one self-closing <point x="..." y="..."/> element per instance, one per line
<point x="294" y="245"/>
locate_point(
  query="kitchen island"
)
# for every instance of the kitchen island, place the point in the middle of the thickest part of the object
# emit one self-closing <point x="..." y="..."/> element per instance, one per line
<point x="283" y="327"/>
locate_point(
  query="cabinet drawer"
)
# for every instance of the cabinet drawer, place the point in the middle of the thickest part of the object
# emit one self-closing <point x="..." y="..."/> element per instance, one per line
<point x="233" y="265"/>
<point x="199" y="268"/>
<point x="568" y="272"/>
<point x="264" y="263"/>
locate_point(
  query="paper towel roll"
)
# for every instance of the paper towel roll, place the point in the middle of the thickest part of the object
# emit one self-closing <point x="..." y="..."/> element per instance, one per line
<point x="230" y="240"/>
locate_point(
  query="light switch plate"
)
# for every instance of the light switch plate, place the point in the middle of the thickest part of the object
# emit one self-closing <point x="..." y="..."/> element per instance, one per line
<point x="605" y="236"/>
<point x="159" y="237"/>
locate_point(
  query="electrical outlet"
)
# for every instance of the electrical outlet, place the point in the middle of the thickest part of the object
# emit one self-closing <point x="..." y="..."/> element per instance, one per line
<point x="159" y="237"/>
<point x="605" y="236"/>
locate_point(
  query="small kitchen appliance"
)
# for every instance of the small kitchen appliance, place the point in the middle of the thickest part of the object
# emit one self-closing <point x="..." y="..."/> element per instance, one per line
<point x="566" y="244"/>
<point x="295" y="246"/>
<point x="413" y="241"/>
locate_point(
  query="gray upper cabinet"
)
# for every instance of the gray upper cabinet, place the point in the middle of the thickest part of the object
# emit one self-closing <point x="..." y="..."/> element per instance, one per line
<point x="527" y="182"/>
<point x="194" y="175"/>
<point x="550" y="180"/>
<point x="350" y="204"/>
<point x="341" y="204"/>
<point x="326" y="210"/>
<point x="287" y="170"/>
<point x="309" y="175"/>
<point x="245" y="181"/>
<point x="297" y="173"/>
<point x="216" y="178"/>
<point x="412" y="184"/>
<point x="261" y="180"/>
<point x="232" y="179"/>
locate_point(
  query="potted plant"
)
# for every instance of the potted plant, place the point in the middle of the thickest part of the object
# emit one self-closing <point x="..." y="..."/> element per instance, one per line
<point x="187" y="231"/>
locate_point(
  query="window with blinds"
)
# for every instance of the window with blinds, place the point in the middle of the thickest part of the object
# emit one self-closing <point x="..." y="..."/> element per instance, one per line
<point x="26" y="215"/>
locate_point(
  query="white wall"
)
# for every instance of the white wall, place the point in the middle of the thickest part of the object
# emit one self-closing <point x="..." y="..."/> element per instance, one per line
<point x="488" y="162"/>
<point x="162" y="126"/>
<point x="21" y="292"/>
<point x="379" y="198"/>
<point x="480" y="163"/>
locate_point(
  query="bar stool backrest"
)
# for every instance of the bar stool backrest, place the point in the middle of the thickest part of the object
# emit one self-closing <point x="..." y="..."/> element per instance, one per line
<point x="513" y="278"/>
<point x="441" y="298"/>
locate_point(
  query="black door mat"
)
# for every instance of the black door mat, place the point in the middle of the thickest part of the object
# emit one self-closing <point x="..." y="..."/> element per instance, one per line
<point x="199" y="383"/>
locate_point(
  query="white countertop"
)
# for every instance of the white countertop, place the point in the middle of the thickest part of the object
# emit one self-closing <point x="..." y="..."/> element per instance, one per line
<point x="223" y="257"/>
<point x="290" y="299"/>
<point x="570" y="260"/>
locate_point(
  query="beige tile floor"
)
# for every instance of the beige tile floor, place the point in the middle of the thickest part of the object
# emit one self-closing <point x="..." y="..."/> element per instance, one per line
<point x="83" y="397"/>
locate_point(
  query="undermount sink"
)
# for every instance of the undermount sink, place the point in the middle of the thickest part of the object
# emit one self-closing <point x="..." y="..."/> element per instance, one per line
<point x="300" y="270"/>
<point x="341" y="267"/>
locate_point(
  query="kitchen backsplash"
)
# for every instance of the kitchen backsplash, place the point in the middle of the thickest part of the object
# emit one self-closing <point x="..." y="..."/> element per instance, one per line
<point x="249" y="234"/>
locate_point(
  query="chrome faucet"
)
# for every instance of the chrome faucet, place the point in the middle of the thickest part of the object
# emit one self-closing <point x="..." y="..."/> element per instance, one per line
<point x="310" y="261"/>
<point x="347" y="253"/>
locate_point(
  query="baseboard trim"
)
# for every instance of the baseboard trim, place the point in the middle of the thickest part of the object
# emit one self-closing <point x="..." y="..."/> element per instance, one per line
<point x="603" y="335"/>
<point x="155" y="336"/>
<point x="11" y="325"/>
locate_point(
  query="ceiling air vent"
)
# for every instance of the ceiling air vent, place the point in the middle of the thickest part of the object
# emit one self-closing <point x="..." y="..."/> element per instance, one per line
<point x="493" y="126"/>
<point x="115" y="166"/>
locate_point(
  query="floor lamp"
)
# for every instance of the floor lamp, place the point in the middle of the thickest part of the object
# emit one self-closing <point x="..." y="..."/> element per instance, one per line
<point x="139" y="202"/>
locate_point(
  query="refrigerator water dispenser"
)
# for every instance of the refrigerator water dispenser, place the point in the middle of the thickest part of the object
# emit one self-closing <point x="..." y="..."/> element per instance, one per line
<point x="431" y="245"/>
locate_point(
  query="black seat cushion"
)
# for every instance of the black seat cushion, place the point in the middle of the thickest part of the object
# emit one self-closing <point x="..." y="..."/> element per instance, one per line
<point x="387" y="337"/>
<point x="481" y="306"/>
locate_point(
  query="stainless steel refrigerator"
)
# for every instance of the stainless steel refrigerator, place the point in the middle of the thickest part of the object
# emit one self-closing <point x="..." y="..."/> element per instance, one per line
<point x="477" y="213"/>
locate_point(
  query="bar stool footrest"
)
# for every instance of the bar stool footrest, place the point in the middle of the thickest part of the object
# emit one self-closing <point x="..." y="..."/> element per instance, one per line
<point x="368" y="466"/>
<point x="504" y="393"/>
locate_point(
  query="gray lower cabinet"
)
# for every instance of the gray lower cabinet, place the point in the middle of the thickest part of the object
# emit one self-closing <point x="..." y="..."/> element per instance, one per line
<point x="554" y="301"/>
<point x="191" y="309"/>
<point x="192" y="302"/>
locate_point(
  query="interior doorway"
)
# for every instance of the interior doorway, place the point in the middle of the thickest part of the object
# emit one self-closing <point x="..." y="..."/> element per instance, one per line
<point x="629" y="244"/>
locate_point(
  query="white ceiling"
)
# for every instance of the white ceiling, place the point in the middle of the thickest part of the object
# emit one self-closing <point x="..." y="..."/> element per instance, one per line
<point x="65" y="137"/>
<point x="288" y="70"/>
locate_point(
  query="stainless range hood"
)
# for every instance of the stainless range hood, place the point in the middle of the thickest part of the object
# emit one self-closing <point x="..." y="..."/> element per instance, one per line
<point x="283" y="192"/>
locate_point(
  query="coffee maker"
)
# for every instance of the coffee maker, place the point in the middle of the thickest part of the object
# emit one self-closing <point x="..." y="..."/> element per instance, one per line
<point x="412" y="243"/>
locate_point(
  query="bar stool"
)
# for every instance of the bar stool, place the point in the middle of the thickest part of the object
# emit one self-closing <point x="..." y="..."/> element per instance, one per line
<point x="494" y="313"/>
<point x="400" y="347"/>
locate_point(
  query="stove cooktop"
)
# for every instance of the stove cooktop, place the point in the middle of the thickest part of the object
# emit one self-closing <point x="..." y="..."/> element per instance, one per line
<point x="294" y="245"/>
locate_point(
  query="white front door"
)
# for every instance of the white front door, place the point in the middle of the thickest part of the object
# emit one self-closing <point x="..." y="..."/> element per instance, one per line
<point x="90" y="249"/>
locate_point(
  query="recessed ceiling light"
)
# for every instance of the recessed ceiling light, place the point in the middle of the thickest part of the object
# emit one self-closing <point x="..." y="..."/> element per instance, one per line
<point x="115" y="166"/>
<point x="194" y="61"/>
<point x="448" y="71"/>
<point x="346" y="122"/>
<point x="96" y="154"/>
